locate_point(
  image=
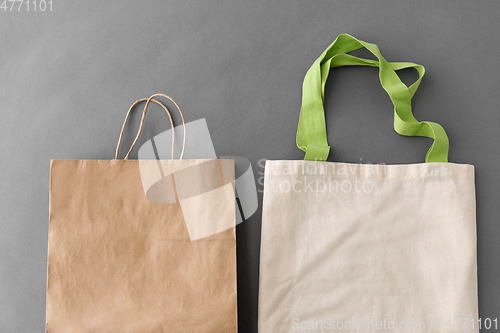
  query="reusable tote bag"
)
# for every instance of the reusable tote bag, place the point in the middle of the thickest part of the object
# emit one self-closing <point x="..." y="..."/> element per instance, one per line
<point x="362" y="248"/>
<point x="120" y="263"/>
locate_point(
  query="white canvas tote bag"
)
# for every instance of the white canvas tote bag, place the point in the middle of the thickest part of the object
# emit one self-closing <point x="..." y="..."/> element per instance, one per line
<point x="367" y="248"/>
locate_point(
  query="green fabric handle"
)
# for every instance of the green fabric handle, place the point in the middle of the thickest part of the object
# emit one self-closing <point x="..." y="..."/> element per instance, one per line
<point x="311" y="131"/>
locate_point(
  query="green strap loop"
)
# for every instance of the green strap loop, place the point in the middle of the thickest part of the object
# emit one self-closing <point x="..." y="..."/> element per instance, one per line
<point x="311" y="131"/>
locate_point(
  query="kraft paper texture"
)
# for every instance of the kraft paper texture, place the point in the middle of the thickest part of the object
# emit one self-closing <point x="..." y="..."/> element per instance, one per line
<point x="118" y="262"/>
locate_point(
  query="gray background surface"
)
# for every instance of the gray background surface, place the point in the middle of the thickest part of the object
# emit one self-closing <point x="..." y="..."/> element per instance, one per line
<point x="67" y="78"/>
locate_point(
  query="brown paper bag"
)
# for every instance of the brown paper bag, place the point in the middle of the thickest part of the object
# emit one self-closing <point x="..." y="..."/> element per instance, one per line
<point x="118" y="262"/>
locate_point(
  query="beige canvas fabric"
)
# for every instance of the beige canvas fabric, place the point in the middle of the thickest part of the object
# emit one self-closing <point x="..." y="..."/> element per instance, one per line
<point x="347" y="244"/>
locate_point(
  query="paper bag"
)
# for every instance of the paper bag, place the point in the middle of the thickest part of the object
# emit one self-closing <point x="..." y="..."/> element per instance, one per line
<point x="118" y="262"/>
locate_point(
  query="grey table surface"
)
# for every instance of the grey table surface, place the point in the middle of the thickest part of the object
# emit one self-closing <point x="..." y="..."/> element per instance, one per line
<point x="69" y="75"/>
